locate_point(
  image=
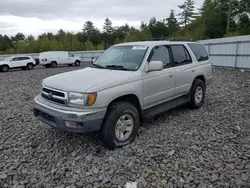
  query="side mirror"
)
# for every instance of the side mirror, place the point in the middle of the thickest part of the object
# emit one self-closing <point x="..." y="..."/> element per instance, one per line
<point x="155" y="66"/>
<point x="93" y="59"/>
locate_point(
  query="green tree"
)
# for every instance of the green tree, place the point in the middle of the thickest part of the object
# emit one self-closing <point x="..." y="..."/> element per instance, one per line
<point x="158" y="29"/>
<point x="107" y="27"/>
<point x="91" y="33"/>
<point x="187" y="15"/>
<point x="172" y="23"/>
<point x="30" y="39"/>
<point x="88" y="45"/>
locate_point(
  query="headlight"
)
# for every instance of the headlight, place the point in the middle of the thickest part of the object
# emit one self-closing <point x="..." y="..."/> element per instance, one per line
<point x="81" y="99"/>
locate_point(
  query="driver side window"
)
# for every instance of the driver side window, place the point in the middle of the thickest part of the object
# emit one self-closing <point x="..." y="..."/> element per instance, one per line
<point x="71" y="55"/>
<point x="161" y="53"/>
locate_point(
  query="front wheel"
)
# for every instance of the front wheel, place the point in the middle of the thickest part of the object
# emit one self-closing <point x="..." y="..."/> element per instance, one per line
<point x="197" y="94"/>
<point x="30" y="66"/>
<point x="5" y="68"/>
<point x="77" y="63"/>
<point x="120" y="126"/>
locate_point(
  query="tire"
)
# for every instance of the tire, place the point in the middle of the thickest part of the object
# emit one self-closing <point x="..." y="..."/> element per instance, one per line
<point x="77" y="63"/>
<point x="109" y="133"/>
<point x="198" y="92"/>
<point x="5" y="68"/>
<point x="53" y="64"/>
<point x="30" y="66"/>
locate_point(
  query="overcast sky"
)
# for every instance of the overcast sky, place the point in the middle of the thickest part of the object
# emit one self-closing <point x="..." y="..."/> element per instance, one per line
<point x="39" y="16"/>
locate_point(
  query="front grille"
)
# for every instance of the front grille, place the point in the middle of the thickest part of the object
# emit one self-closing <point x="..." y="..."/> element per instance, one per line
<point x="53" y="99"/>
<point x="54" y="96"/>
<point x="57" y="93"/>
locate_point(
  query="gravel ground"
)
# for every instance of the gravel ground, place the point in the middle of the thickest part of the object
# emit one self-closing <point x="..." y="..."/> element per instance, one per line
<point x="202" y="148"/>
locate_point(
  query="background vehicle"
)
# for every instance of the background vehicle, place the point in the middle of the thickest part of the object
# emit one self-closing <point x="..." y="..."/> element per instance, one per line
<point x="24" y="62"/>
<point x="55" y="58"/>
<point x="127" y="83"/>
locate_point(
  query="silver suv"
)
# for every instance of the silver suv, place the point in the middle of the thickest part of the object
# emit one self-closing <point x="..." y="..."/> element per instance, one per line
<point x="128" y="83"/>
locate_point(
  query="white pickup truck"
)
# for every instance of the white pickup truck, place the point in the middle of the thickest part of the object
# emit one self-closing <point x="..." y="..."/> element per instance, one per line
<point x="129" y="82"/>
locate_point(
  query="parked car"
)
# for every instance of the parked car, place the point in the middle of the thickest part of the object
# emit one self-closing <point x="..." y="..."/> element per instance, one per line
<point x="128" y="83"/>
<point x="55" y="58"/>
<point x="24" y="62"/>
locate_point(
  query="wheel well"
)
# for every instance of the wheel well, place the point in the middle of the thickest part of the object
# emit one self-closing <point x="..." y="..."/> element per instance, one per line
<point x="29" y="63"/>
<point x="53" y="61"/>
<point x="5" y="65"/>
<point x="202" y="78"/>
<point x="78" y="61"/>
<point x="131" y="98"/>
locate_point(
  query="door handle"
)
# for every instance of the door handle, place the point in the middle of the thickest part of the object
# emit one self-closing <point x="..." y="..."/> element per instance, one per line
<point x="193" y="70"/>
<point x="171" y="75"/>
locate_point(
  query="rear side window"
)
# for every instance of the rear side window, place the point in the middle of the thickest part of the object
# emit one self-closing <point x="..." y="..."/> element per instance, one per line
<point x="23" y="58"/>
<point x="199" y="51"/>
<point x="180" y="55"/>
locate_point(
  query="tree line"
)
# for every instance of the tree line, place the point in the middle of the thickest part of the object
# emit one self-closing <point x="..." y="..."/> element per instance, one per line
<point x="214" y="19"/>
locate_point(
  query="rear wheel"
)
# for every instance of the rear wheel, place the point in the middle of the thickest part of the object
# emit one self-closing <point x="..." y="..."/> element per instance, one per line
<point x="5" y="68"/>
<point x="197" y="94"/>
<point x="30" y="66"/>
<point x="77" y="63"/>
<point x="53" y="64"/>
<point x="120" y="126"/>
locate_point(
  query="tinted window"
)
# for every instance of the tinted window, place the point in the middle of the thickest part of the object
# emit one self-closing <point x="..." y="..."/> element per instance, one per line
<point x="180" y="54"/>
<point x="23" y="58"/>
<point x="15" y="59"/>
<point x="199" y="51"/>
<point x="161" y="53"/>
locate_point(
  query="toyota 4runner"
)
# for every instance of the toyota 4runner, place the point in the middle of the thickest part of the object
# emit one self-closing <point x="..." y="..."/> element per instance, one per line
<point x="129" y="82"/>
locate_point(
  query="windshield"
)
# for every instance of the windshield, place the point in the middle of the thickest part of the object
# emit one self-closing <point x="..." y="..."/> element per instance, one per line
<point x="123" y="57"/>
<point x="7" y="59"/>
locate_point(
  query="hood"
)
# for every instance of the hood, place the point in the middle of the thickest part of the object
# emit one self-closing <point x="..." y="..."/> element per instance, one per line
<point x="84" y="79"/>
<point x="3" y="62"/>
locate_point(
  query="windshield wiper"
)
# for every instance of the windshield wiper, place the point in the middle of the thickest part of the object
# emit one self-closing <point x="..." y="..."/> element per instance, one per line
<point x="118" y="67"/>
<point x="97" y="66"/>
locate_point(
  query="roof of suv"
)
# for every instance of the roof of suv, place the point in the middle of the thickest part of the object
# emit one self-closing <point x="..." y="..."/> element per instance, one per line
<point x="153" y="43"/>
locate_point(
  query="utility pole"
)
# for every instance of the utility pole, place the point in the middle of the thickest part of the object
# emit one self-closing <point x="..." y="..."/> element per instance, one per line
<point x="229" y="15"/>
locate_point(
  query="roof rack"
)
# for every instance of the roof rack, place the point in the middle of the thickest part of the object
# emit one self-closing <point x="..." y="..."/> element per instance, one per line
<point x="169" y="39"/>
<point x="183" y="40"/>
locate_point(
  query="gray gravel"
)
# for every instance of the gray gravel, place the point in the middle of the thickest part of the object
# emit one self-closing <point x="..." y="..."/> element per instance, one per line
<point x="204" y="148"/>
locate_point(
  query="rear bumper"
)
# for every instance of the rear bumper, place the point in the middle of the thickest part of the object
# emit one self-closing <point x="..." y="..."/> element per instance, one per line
<point x="68" y="120"/>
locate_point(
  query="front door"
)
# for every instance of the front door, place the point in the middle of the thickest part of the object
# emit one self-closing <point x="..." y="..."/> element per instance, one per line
<point x="71" y="58"/>
<point x="159" y="86"/>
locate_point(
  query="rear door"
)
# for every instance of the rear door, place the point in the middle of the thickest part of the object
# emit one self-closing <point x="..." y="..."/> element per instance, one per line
<point x="25" y="61"/>
<point x="184" y="69"/>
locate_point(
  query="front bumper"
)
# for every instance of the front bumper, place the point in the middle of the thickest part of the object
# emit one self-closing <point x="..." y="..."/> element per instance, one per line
<point x="59" y="117"/>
